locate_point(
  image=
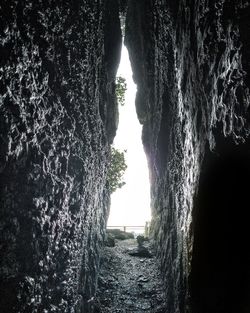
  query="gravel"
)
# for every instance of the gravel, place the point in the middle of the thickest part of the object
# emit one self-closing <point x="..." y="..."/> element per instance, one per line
<point x="129" y="283"/>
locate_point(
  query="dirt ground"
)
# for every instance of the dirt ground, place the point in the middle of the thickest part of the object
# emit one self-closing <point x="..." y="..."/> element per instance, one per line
<point x="128" y="283"/>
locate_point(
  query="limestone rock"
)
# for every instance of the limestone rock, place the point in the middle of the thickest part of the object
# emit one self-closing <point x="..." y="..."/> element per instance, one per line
<point x="190" y="62"/>
<point x="58" y="116"/>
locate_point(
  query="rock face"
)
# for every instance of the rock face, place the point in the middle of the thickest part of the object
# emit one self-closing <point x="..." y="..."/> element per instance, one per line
<point x="58" y="116"/>
<point x="191" y="64"/>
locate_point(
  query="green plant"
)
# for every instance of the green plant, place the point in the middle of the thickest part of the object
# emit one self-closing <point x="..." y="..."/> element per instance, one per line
<point x="120" y="89"/>
<point x="116" y="170"/>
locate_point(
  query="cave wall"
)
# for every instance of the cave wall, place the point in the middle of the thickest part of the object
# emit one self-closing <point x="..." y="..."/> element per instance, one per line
<point x="190" y="61"/>
<point x="58" y="116"/>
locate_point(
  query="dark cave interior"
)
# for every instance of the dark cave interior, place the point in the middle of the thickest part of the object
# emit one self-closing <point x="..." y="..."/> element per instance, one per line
<point x="220" y="266"/>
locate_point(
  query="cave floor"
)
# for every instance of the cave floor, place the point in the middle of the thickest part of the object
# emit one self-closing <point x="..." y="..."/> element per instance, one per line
<point x="128" y="283"/>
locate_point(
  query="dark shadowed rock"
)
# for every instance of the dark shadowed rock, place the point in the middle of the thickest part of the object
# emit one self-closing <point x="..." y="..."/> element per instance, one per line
<point x="58" y="115"/>
<point x="140" y="251"/>
<point x="109" y="240"/>
<point x="141" y="239"/>
<point x="190" y="61"/>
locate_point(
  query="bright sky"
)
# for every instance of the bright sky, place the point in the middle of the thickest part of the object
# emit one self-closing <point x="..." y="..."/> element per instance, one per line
<point x="130" y="205"/>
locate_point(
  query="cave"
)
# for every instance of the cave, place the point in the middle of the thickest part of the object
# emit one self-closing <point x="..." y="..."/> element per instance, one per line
<point x="58" y="120"/>
<point x="220" y="280"/>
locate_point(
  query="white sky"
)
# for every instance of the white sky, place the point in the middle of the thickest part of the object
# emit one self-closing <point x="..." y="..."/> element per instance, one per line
<point x="130" y="205"/>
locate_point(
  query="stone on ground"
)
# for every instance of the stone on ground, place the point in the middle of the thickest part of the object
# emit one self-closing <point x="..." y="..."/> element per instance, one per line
<point x="129" y="283"/>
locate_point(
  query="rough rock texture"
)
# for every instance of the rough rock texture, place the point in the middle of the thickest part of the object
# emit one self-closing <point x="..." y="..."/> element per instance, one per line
<point x="191" y="64"/>
<point x="129" y="284"/>
<point x="58" y="115"/>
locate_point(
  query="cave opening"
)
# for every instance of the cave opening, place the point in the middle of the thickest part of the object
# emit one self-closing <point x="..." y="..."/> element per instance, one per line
<point x="129" y="276"/>
<point x="130" y="205"/>
<point x="220" y="272"/>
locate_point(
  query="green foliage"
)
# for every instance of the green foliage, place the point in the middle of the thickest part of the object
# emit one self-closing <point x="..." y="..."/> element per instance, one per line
<point x="116" y="170"/>
<point x="120" y="89"/>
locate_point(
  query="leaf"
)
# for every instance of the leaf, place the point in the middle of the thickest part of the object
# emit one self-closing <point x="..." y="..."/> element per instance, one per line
<point x="116" y="170"/>
<point x="120" y="89"/>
